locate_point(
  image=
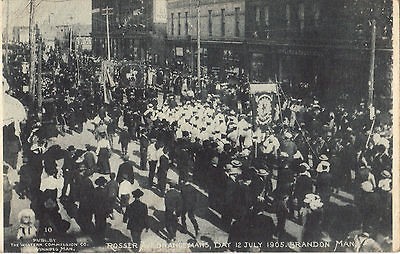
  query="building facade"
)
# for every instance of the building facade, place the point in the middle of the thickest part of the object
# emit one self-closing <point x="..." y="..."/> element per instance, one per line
<point x="222" y="33"/>
<point x="20" y="34"/>
<point x="324" y="43"/>
<point x="136" y="28"/>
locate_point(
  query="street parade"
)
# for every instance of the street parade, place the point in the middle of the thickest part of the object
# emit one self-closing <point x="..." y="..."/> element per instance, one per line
<point x="299" y="169"/>
<point x="133" y="154"/>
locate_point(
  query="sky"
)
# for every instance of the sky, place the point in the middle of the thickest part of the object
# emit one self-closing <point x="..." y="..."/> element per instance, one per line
<point x="59" y="12"/>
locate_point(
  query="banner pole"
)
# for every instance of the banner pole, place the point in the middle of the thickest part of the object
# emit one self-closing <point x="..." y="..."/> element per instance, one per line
<point x="279" y="102"/>
<point x="301" y="129"/>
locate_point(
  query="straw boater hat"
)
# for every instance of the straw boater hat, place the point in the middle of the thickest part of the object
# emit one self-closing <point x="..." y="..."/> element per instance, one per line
<point x="236" y="163"/>
<point x="305" y="165"/>
<point x="384" y="184"/>
<point x="262" y="172"/>
<point x="386" y="174"/>
<point x="284" y="155"/>
<point x="310" y="197"/>
<point x="367" y="186"/>
<point x="316" y="204"/>
<point x="323" y="157"/>
<point x="288" y="135"/>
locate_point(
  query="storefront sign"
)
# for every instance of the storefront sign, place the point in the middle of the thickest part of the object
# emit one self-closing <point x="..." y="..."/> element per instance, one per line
<point x="300" y="52"/>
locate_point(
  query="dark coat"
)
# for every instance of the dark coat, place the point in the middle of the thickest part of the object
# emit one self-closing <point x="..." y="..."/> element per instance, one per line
<point x="112" y="188"/>
<point x="99" y="196"/>
<point x="69" y="162"/>
<point x="164" y="166"/>
<point x="189" y="197"/>
<point x="125" y="168"/>
<point x="136" y="216"/>
<point x="124" y="137"/>
<point x="259" y="185"/>
<point x="324" y="182"/>
<point x="89" y="160"/>
<point x="288" y="147"/>
<point x="86" y="191"/>
<point x="303" y="186"/>
<point x="173" y="201"/>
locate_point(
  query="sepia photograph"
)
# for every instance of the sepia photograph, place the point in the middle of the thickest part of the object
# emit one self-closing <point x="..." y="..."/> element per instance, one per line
<point x="198" y="125"/>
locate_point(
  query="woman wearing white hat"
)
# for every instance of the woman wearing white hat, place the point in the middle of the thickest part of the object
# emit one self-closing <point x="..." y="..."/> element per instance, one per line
<point x="312" y="218"/>
<point x="324" y="179"/>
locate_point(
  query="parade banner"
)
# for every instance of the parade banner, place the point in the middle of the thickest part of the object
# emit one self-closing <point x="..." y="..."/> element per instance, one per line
<point x="106" y="80"/>
<point x="265" y="103"/>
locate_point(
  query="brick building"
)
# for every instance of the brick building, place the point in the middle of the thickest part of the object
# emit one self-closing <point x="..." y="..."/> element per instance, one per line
<point x="222" y="32"/>
<point x="137" y="29"/>
<point x="320" y="42"/>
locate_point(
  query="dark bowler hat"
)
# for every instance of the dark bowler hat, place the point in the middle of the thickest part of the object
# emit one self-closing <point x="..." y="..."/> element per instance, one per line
<point x="137" y="193"/>
<point x="71" y="148"/>
<point x="101" y="181"/>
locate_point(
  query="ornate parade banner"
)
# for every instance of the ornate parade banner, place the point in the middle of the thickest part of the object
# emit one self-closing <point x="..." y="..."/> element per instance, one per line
<point x="265" y="103"/>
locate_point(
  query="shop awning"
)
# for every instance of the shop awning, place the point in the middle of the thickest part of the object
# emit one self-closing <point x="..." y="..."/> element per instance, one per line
<point x="13" y="110"/>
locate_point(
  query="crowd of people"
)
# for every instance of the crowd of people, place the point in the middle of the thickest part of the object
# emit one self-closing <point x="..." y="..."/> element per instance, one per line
<point x="294" y="168"/>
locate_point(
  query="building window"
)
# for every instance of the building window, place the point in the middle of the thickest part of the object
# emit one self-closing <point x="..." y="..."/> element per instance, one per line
<point x="222" y="22"/>
<point x="258" y="16"/>
<point x="266" y="15"/>
<point x="301" y="16"/>
<point x="288" y="15"/>
<point x="237" y="31"/>
<point x="172" y="24"/>
<point x="266" y="19"/>
<point x="186" y="24"/>
<point x="316" y="12"/>
<point x="209" y="22"/>
<point x="179" y="23"/>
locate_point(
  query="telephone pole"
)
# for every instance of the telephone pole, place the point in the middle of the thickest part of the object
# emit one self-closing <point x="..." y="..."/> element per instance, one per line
<point x="70" y="38"/>
<point x="39" y="88"/>
<point x="7" y="32"/>
<point x="372" y="71"/>
<point x="198" y="46"/>
<point x="107" y="12"/>
<point x="32" y="43"/>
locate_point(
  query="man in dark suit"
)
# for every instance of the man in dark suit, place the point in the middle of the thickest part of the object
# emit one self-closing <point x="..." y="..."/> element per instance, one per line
<point x="163" y="170"/>
<point x="302" y="186"/>
<point x="144" y="144"/>
<point x="70" y="169"/>
<point x="260" y="188"/>
<point x="89" y="159"/>
<point x="173" y="209"/>
<point x="85" y="211"/>
<point x="100" y="210"/>
<point x="136" y="216"/>
<point x="189" y="198"/>
<point x="125" y="168"/>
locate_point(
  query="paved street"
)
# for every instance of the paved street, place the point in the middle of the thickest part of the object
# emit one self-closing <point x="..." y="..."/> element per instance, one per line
<point x="211" y="230"/>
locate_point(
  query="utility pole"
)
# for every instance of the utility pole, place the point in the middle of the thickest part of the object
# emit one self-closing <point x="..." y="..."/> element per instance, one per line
<point x="6" y="35"/>
<point x="39" y="88"/>
<point x="108" y="12"/>
<point x="70" y="39"/>
<point x="372" y="72"/>
<point x="32" y="43"/>
<point x="198" y="46"/>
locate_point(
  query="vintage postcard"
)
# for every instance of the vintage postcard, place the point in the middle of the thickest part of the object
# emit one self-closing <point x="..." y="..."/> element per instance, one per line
<point x="199" y="125"/>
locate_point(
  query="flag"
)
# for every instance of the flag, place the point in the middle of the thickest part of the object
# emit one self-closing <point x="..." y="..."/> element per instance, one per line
<point x="107" y="94"/>
<point x="110" y="79"/>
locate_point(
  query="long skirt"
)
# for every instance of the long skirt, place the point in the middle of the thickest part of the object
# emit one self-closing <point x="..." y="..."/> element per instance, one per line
<point x="103" y="161"/>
